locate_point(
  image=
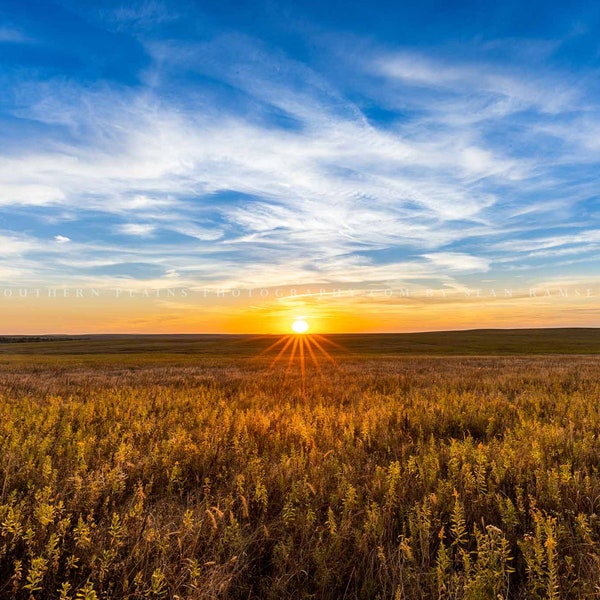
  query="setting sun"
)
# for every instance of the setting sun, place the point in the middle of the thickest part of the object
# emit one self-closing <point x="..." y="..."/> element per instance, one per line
<point x="300" y="325"/>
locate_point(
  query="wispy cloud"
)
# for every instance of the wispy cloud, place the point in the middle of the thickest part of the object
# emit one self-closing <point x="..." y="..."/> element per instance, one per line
<point x="499" y="89"/>
<point x="140" y="229"/>
<point x="285" y="175"/>
<point x="9" y="35"/>
<point x="457" y="261"/>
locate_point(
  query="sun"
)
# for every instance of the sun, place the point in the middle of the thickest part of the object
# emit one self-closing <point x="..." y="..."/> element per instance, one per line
<point x="300" y="325"/>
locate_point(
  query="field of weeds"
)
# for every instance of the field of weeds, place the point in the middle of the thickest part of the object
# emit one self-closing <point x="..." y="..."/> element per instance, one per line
<point x="197" y="478"/>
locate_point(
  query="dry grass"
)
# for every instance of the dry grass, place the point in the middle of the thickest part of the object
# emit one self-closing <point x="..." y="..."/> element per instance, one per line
<point x="392" y="478"/>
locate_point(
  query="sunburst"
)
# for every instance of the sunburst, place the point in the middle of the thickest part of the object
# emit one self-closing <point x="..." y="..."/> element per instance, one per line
<point x="301" y="350"/>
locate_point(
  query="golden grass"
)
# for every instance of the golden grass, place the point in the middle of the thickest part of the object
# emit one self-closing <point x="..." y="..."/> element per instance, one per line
<point x="389" y="478"/>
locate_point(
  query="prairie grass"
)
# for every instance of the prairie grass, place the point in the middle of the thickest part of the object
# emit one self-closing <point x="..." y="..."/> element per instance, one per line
<point x="438" y="477"/>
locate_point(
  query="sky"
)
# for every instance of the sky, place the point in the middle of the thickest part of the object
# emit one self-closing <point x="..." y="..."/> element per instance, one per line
<point x="186" y="166"/>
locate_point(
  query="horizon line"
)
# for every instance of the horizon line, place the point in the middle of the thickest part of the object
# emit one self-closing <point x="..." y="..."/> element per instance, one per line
<point x="425" y="331"/>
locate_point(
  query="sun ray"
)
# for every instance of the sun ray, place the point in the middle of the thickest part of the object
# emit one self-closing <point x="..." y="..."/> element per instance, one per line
<point x="302" y="366"/>
<point x="274" y="345"/>
<point x="309" y="345"/>
<point x="292" y="356"/>
<point x="281" y="352"/>
<point x="324" y="352"/>
<point x="322" y="338"/>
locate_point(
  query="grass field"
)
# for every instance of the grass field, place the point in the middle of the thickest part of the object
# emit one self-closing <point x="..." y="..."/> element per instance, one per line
<point x="449" y="465"/>
<point x="457" y="343"/>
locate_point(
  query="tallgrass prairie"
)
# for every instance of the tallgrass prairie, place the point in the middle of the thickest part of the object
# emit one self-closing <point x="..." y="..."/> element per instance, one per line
<point x="196" y="476"/>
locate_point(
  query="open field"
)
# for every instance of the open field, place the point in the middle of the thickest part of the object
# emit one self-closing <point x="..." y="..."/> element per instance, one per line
<point x="147" y="467"/>
<point x="456" y="343"/>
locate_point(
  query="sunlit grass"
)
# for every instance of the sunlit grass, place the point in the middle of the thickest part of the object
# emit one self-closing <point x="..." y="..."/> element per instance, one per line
<point x="219" y="478"/>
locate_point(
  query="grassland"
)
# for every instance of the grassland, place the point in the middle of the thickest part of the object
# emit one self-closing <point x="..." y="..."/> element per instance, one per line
<point x="456" y="343"/>
<point x="184" y="468"/>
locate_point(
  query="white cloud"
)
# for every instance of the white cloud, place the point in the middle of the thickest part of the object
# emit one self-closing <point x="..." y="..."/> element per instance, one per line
<point x="141" y="229"/>
<point x="457" y="261"/>
<point x="61" y="239"/>
<point x="14" y="189"/>
<point x="17" y="245"/>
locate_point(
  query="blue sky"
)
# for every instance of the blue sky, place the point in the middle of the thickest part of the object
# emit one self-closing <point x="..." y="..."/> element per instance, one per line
<point x="271" y="143"/>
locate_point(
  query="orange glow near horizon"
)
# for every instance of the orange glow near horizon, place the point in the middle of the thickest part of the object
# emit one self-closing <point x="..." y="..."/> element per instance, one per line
<point x="329" y="315"/>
